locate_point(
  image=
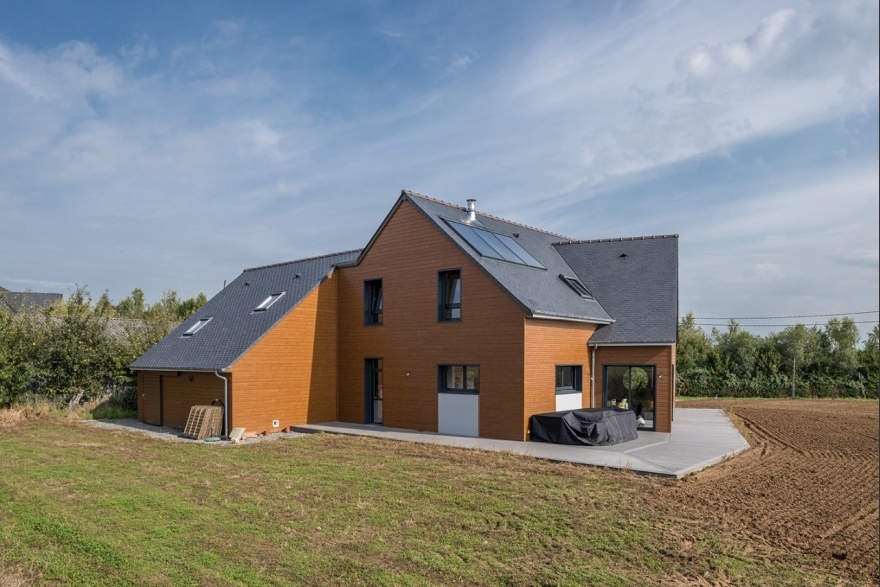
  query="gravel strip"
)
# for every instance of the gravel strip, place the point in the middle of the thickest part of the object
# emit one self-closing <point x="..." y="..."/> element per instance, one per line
<point x="170" y="434"/>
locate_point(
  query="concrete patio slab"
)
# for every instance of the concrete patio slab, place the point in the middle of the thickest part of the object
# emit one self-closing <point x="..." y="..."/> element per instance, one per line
<point x="701" y="438"/>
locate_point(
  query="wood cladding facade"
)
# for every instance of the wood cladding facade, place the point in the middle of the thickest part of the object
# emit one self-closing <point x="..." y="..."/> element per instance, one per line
<point x="408" y="255"/>
<point x="167" y="396"/>
<point x="289" y="375"/>
<point x="549" y="343"/>
<point x="310" y="367"/>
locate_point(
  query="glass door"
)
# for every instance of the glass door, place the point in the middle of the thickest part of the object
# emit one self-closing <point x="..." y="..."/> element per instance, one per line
<point x="632" y="387"/>
<point x="373" y="391"/>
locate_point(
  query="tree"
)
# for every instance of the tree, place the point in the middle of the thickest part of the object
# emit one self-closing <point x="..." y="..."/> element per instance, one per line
<point x="104" y="307"/>
<point x="737" y="352"/>
<point x="869" y="364"/>
<point x="133" y="306"/>
<point x="692" y="358"/>
<point x="191" y="306"/>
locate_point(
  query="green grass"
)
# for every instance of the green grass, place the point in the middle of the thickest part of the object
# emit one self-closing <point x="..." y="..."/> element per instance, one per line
<point x="85" y="506"/>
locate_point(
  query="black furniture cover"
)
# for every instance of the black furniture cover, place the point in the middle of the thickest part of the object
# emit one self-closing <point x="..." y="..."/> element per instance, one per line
<point x="592" y="427"/>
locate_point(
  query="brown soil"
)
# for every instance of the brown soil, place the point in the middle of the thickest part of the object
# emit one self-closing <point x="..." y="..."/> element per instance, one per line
<point x="809" y="484"/>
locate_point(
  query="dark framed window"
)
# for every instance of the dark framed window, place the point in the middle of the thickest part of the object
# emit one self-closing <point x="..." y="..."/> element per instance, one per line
<point x="632" y="387"/>
<point x="459" y="379"/>
<point x="568" y="379"/>
<point x="449" y="296"/>
<point x="373" y="301"/>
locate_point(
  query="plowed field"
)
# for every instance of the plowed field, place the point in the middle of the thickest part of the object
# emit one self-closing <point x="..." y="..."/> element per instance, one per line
<point x="809" y="484"/>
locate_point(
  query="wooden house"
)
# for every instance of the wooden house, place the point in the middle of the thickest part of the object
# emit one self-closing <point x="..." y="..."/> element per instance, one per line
<point x="449" y="320"/>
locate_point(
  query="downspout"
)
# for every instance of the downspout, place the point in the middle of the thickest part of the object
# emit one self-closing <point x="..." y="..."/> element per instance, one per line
<point x="593" y="372"/>
<point x="225" y="404"/>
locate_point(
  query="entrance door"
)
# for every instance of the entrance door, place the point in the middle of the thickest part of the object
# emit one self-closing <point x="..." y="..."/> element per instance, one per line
<point x="150" y="386"/>
<point x="632" y="387"/>
<point x="373" y="391"/>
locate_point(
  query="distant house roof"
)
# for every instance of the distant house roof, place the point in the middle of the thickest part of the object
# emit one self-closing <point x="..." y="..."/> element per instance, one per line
<point x="636" y="279"/>
<point x="237" y="317"/>
<point x="27" y="300"/>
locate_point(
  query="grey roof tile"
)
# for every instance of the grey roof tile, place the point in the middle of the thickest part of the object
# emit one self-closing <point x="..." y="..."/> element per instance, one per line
<point x="637" y="281"/>
<point x="235" y="326"/>
<point x="28" y="300"/>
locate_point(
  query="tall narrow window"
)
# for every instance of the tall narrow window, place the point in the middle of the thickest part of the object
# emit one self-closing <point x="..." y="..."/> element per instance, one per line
<point x="373" y="302"/>
<point x="449" y="296"/>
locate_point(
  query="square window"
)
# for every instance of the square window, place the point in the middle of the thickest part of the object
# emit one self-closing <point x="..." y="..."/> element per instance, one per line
<point x="568" y="379"/>
<point x="373" y="302"/>
<point x="460" y="378"/>
<point x="449" y="296"/>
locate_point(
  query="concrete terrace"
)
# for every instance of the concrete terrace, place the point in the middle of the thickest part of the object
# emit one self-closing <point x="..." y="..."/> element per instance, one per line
<point x="701" y="438"/>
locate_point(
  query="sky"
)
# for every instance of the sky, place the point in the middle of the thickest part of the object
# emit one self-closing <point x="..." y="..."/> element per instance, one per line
<point x="170" y="145"/>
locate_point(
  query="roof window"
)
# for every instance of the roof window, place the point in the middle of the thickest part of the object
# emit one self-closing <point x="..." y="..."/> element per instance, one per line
<point x="267" y="303"/>
<point x="575" y="284"/>
<point x="198" y="326"/>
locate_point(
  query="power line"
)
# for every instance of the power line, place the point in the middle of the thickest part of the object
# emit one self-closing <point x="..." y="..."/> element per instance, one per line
<point x="777" y="325"/>
<point x="782" y="317"/>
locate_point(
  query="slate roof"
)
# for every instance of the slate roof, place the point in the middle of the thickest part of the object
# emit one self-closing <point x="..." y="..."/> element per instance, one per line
<point x="540" y="292"/>
<point x="27" y="300"/>
<point x="636" y="279"/>
<point x="235" y="327"/>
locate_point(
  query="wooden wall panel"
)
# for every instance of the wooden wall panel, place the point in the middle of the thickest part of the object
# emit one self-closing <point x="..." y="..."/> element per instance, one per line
<point x="182" y="392"/>
<point x="149" y="407"/>
<point x="663" y="357"/>
<point x="290" y="374"/>
<point x="407" y="256"/>
<point x="549" y="343"/>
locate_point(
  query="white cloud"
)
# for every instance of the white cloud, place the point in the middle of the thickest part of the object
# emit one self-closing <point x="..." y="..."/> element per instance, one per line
<point x="236" y="147"/>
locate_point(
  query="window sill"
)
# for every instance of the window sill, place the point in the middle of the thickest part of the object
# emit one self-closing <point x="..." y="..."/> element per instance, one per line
<point x="568" y="391"/>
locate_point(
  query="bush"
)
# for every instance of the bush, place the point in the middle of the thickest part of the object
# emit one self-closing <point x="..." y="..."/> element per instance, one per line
<point x="72" y="350"/>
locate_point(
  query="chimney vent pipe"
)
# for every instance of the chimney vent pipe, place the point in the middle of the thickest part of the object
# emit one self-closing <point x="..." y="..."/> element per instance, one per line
<point x="472" y="209"/>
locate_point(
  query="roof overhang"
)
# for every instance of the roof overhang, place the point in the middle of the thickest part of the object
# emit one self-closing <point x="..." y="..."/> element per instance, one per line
<point x="570" y="319"/>
<point x="631" y="343"/>
<point x="187" y="369"/>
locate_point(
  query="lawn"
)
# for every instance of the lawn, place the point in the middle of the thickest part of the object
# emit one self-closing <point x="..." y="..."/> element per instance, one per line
<point x="85" y="506"/>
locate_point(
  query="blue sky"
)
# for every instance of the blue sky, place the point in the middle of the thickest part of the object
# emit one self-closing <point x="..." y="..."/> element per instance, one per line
<point x="169" y="145"/>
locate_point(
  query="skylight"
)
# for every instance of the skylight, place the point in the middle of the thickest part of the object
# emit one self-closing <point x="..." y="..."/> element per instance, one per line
<point x="575" y="284"/>
<point x="197" y="326"/>
<point x="494" y="245"/>
<point x="267" y="303"/>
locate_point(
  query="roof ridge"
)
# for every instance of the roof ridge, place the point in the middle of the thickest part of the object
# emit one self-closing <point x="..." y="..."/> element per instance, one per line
<point x="498" y="218"/>
<point x="617" y="240"/>
<point x="350" y="251"/>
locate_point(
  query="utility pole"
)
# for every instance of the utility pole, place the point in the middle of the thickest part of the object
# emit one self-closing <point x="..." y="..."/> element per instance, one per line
<point x="793" y="375"/>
